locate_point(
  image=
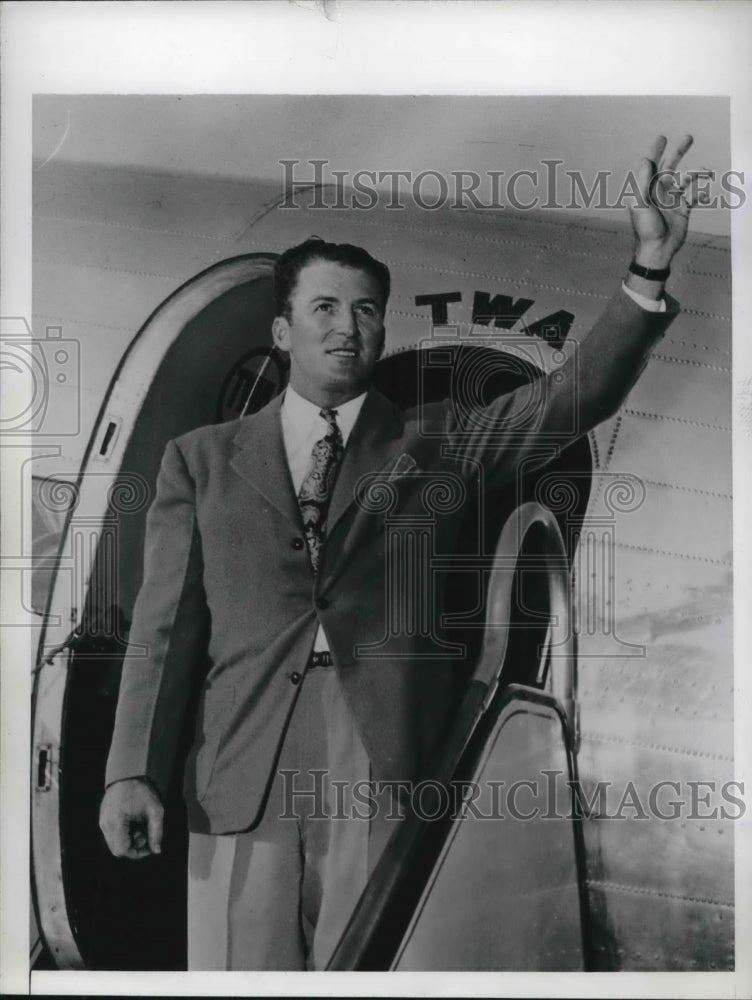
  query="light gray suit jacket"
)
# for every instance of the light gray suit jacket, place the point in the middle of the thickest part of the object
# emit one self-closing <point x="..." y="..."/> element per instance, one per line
<point x="229" y="601"/>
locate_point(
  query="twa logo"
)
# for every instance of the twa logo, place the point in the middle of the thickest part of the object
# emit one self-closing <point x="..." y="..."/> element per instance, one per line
<point x="500" y="312"/>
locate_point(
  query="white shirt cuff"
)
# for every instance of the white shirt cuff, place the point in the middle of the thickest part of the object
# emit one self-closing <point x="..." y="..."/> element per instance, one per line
<point x="652" y="305"/>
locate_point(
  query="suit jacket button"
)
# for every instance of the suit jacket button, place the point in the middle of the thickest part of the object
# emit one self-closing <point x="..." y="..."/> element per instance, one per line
<point x="298" y="544"/>
<point x="295" y="678"/>
<point x="322" y="603"/>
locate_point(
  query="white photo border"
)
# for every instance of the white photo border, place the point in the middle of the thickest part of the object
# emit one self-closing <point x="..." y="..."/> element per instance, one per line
<point x="353" y="47"/>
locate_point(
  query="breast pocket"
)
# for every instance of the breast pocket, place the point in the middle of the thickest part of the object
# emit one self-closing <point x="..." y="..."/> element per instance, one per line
<point x="217" y="706"/>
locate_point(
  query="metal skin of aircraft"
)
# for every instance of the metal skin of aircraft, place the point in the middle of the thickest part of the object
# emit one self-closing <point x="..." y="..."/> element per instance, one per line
<point x="153" y="309"/>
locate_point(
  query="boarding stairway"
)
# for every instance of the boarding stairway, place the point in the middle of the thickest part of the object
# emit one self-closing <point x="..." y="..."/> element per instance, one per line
<point x="497" y="884"/>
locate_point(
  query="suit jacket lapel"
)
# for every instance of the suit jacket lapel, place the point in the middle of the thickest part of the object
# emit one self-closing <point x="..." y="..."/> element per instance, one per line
<point x="375" y="436"/>
<point x="260" y="458"/>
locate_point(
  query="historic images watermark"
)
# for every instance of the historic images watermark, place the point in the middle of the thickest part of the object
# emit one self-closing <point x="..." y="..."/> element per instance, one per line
<point x="415" y="505"/>
<point x="546" y="186"/>
<point x="90" y="511"/>
<point x="543" y="796"/>
<point x="67" y="525"/>
<point x="36" y="371"/>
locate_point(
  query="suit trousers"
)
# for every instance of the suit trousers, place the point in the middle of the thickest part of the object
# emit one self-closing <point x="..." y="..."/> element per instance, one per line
<point x="279" y="896"/>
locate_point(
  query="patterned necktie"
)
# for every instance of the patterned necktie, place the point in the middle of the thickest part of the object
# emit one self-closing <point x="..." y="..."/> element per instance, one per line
<point x="316" y="489"/>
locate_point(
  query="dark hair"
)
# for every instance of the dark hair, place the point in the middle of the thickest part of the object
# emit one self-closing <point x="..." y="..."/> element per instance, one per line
<point x="288" y="266"/>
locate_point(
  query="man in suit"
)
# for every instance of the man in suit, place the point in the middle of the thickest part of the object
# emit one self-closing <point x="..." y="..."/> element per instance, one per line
<point x="267" y="583"/>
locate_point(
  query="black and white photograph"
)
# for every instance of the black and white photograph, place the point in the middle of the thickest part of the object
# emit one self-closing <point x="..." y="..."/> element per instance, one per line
<point x="373" y="585"/>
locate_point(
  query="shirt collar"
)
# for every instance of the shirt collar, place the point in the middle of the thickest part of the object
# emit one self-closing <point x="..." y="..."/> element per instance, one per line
<point x="302" y="412"/>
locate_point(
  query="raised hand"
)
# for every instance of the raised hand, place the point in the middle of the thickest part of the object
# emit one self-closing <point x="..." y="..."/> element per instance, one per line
<point x="661" y="217"/>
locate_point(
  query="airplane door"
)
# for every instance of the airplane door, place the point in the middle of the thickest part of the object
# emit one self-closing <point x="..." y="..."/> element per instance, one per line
<point x="204" y="355"/>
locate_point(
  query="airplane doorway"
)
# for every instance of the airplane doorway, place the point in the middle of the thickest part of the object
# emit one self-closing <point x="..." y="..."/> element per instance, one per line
<point x="204" y="356"/>
<point x="180" y="371"/>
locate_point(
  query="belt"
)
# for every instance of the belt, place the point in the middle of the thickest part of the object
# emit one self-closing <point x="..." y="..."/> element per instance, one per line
<point x="320" y="658"/>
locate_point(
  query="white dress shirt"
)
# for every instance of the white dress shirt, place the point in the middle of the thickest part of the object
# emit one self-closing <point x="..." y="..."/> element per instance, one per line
<point x="302" y="427"/>
<point x="652" y="305"/>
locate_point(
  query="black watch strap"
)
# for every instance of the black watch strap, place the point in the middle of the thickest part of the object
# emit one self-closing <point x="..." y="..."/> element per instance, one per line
<point x="650" y="273"/>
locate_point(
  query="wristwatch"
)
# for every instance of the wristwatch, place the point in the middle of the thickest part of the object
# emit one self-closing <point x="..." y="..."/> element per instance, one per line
<point x="650" y="273"/>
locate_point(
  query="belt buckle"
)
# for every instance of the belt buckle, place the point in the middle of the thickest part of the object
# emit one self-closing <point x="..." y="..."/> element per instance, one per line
<point x="320" y="658"/>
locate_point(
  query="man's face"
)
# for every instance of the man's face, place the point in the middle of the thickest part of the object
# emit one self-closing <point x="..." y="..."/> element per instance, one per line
<point x="335" y="333"/>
